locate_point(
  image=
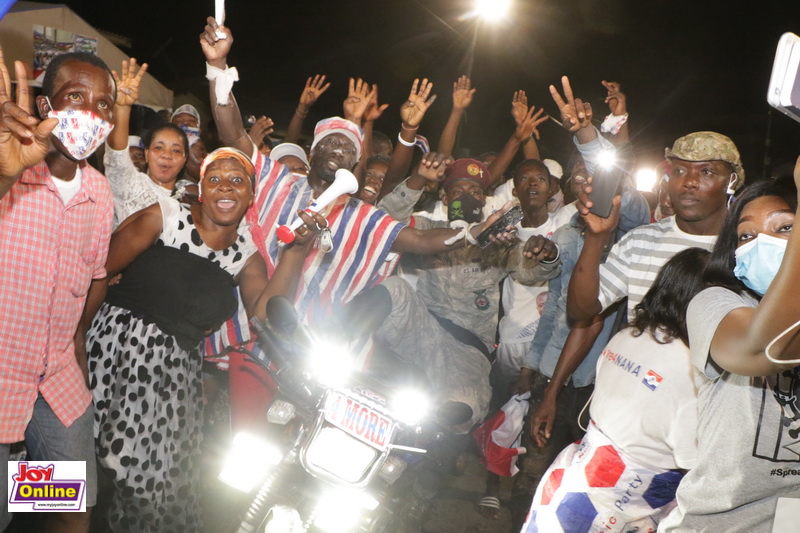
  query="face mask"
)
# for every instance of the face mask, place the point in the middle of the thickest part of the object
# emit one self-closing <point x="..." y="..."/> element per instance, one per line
<point x="81" y="132"/>
<point x="466" y="207"/>
<point x="758" y="261"/>
<point x="189" y="131"/>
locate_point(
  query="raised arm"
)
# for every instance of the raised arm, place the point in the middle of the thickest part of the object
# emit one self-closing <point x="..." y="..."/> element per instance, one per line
<point x="312" y="91"/>
<point x="399" y="202"/>
<point x="256" y="289"/>
<point x="462" y="98"/>
<point x="741" y="338"/>
<point x="24" y="139"/>
<point x="227" y="117"/>
<point x="576" y="115"/>
<point x="519" y="110"/>
<point x="618" y="105"/>
<point x="411" y="114"/>
<point x="524" y="130"/>
<point x="127" y="95"/>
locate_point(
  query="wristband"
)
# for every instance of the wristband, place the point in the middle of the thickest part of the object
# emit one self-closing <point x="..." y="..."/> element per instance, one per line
<point x="553" y="260"/>
<point x="224" y="81"/>
<point x="299" y="114"/>
<point x="460" y="225"/>
<point x="415" y="128"/>
<point x="468" y="236"/>
<point x="613" y="123"/>
<point x="403" y="141"/>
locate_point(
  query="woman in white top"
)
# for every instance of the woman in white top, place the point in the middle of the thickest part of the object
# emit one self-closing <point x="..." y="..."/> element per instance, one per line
<point x="642" y="437"/>
<point x="165" y="148"/>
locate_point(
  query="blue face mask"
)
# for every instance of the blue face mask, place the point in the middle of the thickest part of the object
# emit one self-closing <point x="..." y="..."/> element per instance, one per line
<point x="190" y="130"/>
<point x="758" y="261"/>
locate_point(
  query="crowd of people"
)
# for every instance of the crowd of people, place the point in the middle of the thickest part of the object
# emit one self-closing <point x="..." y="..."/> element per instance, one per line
<point x="673" y="318"/>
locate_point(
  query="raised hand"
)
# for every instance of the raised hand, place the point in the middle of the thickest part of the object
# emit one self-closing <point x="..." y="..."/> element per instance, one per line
<point x="529" y="125"/>
<point x="312" y="91"/>
<point x="262" y="127"/>
<point x="128" y="83"/>
<point x="462" y="93"/>
<point x="519" y="106"/>
<point x="24" y="139"/>
<point x="357" y="101"/>
<point x="596" y="224"/>
<point x="215" y="49"/>
<point x="615" y="99"/>
<point x="414" y="109"/>
<point x="575" y="114"/>
<point x="374" y="110"/>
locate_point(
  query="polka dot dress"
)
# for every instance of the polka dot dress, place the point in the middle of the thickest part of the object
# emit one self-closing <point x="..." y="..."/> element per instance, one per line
<point x="148" y="401"/>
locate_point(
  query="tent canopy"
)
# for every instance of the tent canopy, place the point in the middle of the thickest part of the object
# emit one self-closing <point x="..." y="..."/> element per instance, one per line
<point x="16" y="38"/>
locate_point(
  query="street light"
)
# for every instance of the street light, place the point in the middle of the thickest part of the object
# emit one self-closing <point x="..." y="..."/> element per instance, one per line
<point x="492" y="10"/>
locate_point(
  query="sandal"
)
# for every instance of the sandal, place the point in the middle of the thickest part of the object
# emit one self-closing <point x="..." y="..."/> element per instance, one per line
<point x="489" y="507"/>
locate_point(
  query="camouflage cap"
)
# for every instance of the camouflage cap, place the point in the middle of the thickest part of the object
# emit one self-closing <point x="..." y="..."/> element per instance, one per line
<point x="708" y="146"/>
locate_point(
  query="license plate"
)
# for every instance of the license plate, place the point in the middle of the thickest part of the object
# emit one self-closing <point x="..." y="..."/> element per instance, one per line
<point x="359" y="419"/>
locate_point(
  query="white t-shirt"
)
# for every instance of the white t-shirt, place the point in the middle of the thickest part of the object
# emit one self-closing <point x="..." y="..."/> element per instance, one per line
<point x="68" y="189"/>
<point x="521" y="303"/>
<point x="645" y="400"/>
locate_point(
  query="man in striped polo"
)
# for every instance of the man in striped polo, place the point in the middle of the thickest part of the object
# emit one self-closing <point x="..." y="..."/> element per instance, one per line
<point x="705" y="169"/>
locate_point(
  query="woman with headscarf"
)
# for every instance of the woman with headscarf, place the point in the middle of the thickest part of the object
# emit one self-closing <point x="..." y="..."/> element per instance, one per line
<point x="180" y="265"/>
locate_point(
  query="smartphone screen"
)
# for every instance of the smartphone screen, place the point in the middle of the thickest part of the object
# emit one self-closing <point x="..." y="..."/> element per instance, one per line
<point x="606" y="184"/>
<point x="784" y="84"/>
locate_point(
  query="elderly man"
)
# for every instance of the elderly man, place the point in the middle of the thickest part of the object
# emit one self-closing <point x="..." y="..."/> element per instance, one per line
<point x="55" y="223"/>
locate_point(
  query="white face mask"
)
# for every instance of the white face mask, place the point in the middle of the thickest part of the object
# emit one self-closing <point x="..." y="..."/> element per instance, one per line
<point x="81" y="132"/>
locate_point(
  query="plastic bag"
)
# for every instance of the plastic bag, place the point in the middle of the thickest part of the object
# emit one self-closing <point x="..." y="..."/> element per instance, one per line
<point x="499" y="437"/>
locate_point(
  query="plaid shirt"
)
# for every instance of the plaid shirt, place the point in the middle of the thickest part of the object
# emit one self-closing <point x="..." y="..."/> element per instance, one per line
<point x="49" y="254"/>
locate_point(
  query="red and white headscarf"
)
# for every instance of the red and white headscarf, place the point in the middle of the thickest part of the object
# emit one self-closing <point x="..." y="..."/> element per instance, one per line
<point x="332" y="125"/>
<point x="226" y="153"/>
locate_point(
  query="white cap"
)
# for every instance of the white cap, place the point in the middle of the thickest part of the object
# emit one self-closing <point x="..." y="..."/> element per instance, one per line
<point x="555" y="169"/>
<point x="285" y="149"/>
<point x="189" y="110"/>
<point x="134" y="141"/>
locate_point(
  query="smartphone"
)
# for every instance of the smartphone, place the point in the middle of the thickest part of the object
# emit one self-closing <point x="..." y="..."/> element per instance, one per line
<point x="784" y="83"/>
<point x="510" y="218"/>
<point x="606" y="184"/>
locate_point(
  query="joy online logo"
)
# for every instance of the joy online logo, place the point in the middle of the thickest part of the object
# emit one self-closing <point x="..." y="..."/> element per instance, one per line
<point x="37" y="486"/>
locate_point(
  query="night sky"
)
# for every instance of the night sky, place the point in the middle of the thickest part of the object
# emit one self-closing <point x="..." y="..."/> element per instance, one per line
<point x="684" y="65"/>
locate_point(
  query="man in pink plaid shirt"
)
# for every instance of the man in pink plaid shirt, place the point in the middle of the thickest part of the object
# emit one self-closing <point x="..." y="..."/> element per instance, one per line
<point x="55" y="223"/>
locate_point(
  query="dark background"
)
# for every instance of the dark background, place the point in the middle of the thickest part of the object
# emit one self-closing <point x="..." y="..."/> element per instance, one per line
<point x="684" y="65"/>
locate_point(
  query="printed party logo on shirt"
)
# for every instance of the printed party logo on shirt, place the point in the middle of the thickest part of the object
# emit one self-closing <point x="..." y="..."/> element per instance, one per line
<point x="46" y="486"/>
<point x="652" y="380"/>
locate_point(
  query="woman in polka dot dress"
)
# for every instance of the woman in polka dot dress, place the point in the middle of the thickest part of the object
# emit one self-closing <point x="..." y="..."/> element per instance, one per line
<point x="146" y="386"/>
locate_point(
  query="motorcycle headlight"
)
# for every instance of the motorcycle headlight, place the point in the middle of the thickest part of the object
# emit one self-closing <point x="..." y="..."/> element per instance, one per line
<point x="248" y="462"/>
<point x="339" y="511"/>
<point x="280" y="412"/>
<point x="392" y="469"/>
<point x="330" y="363"/>
<point x="410" y="406"/>
<point x="338" y="453"/>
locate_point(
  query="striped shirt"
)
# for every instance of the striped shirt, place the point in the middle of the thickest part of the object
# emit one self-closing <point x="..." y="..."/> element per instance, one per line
<point x="362" y="238"/>
<point x="634" y="262"/>
<point x="49" y="254"/>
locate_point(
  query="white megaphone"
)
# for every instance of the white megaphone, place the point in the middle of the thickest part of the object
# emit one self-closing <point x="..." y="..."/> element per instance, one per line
<point x="344" y="183"/>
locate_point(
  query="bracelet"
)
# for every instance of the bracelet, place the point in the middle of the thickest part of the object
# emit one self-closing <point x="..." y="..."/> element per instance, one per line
<point x="553" y="260"/>
<point x="415" y="128"/>
<point x="468" y="235"/>
<point x="225" y="79"/>
<point x="299" y="114"/>
<point x="403" y="141"/>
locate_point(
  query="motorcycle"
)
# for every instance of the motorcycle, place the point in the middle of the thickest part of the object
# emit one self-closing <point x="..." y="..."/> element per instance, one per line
<point x="338" y="440"/>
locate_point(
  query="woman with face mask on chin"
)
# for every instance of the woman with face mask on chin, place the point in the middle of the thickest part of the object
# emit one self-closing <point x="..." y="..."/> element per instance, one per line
<point x="180" y="264"/>
<point x="746" y="351"/>
<point x="166" y="149"/>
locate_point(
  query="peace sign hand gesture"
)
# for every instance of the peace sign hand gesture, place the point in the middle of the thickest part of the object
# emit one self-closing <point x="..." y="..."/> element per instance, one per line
<point x="575" y="114"/>
<point x="24" y="139"/>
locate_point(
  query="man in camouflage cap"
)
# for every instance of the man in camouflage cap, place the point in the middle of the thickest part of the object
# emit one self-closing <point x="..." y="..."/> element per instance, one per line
<point x="703" y="146"/>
